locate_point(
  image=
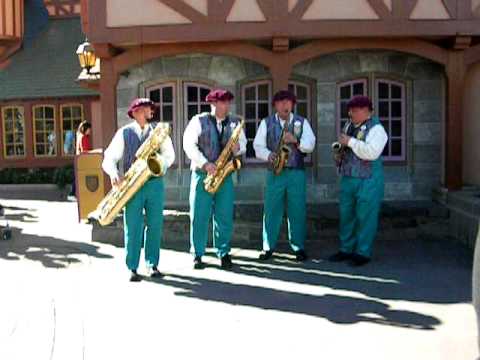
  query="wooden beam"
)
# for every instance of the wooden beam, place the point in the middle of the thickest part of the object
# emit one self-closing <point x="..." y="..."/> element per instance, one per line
<point x="380" y="8"/>
<point x="218" y="10"/>
<point x="280" y="44"/>
<point x="267" y="8"/>
<point x="403" y="8"/>
<point x="456" y="73"/>
<point x="299" y="10"/>
<point x="472" y="55"/>
<point x="451" y="6"/>
<point x="462" y="42"/>
<point x="185" y="10"/>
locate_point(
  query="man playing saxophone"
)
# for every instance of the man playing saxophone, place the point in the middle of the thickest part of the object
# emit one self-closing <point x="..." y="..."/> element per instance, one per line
<point x="149" y="197"/>
<point x="287" y="184"/>
<point x="203" y="141"/>
<point x="361" y="184"/>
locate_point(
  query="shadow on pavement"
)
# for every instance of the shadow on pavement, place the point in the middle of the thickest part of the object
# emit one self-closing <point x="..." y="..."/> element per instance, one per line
<point x="424" y="270"/>
<point x="49" y="251"/>
<point x="337" y="309"/>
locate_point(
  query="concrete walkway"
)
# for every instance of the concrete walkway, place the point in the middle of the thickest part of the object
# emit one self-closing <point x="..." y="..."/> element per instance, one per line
<point x="64" y="298"/>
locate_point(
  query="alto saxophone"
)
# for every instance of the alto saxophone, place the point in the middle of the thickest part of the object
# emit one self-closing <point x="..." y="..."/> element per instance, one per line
<point x="225" y="166"/>
<point x="282" y="153"/>
<point x="338" y="149"/>
<point x="148" y="163"/>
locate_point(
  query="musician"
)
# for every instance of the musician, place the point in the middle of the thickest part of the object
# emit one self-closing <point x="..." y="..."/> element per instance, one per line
<point x="361" y="185"/>
<point x="150" y="197"/>
<point x="289" y="187"/>
<point x="203" y="141"/>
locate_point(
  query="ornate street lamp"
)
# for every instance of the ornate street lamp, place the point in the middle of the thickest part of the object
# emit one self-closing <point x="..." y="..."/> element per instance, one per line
<point x="86" y="56"/>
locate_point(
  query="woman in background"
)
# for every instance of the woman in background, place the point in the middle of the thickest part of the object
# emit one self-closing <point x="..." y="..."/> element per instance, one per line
<point x="83" y="145"/>
<point x="83" y="138"/>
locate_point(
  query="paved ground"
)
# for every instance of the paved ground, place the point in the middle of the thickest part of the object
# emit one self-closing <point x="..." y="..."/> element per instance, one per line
<point x="62" y="297"/>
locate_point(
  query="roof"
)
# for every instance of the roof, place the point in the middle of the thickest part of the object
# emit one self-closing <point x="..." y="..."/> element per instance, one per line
<point x="47" y="66"/>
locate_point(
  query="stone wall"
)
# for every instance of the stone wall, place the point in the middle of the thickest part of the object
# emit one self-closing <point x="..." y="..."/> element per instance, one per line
<point x="412" y="180"/>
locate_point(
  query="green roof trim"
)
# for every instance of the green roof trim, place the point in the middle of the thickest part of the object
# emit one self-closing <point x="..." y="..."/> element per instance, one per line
<point x="48" y="66"/>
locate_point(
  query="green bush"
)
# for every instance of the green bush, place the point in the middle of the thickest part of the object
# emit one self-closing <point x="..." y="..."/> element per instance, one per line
<point x="59" y="176"/>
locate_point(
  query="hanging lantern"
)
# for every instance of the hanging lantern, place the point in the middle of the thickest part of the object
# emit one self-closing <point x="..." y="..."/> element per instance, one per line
<point x="86" y="56"/>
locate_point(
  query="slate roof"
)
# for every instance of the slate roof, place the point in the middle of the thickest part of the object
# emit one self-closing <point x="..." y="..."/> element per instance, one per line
<point x="46" y="66"/>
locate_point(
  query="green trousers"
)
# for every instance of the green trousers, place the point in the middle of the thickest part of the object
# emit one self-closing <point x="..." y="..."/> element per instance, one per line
<point x="150" y="199"/>
<point x="202" y="206"/>
<point x="360" y="203"/>
<point x="289" y="187"/>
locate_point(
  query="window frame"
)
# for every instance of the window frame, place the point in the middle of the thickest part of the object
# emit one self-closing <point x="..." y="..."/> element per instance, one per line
<point x="34" y="121"/>
<point x="4" y="138"/>
<point x="310" y="85"/>
<point x="351" y="82"/>
<point x="394" y="160"/>
<point x="71" y="105"/>
<point x="252" y="162"/>
<point x="174" y="123"/>
<point x="185" y="120"/>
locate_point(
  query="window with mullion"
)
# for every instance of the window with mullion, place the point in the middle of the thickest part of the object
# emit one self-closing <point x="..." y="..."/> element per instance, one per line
<point x="71" y="117"/>
<point x="390" y="108"/>
<point x="45" y="139"/>
<point x="164" y="97"/>
<point x="345" y="92"/>
<point x="257" y="100"/>
<point x="194" y="99"/>
<point x="303" y="106"/>
<point x="13" y="132"/>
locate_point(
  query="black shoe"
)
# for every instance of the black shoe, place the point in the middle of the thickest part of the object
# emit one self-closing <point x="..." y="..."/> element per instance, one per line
<point x="301" y="255"/>
<point x="359" y="260"/>
<point x="340" y="256"/>
<point x="134" y="277"/>
<point x="154" y="273"/>
<point x="265" y="255"/>
<point x="198" y="263"/>
<point x="226" y="262"/>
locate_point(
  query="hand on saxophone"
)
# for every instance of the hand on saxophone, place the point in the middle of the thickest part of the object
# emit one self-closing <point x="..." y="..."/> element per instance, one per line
<point x="290" y="138"/>
<point x="116" y="180"/>
<point x="272" y="157"/>
<point x="344" y="139"/>
<point x="236" y="148"/>
<point x="210" y="168"/>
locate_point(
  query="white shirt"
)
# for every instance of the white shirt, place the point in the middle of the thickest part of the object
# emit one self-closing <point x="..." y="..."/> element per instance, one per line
<point x="114" y="153"/>
<point x="190" y="141"/>
<point x="306" y="145"/>
<point x="372" y="148"/>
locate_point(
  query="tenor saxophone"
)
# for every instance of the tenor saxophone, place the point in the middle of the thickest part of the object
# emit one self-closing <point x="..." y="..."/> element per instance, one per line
<point x="225" y="166"/>
<point x="283" y="153"/>
<point x="148" y="163"/>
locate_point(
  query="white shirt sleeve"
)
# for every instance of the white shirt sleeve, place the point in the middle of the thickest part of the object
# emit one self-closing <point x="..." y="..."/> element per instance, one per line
<point x="190" y="142"/>
<point x="307" y="142"/>
<point x="113" y="154"/>
<point x="242" y="141"/>
<point x="167" y="153"/>
<point x="260" y="142"/>
<point x="373" y="146"/>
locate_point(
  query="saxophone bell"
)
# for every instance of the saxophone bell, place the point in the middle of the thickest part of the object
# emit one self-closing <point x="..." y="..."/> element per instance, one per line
<point x="336" y="147"/>
<point x="155" y="165"/>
